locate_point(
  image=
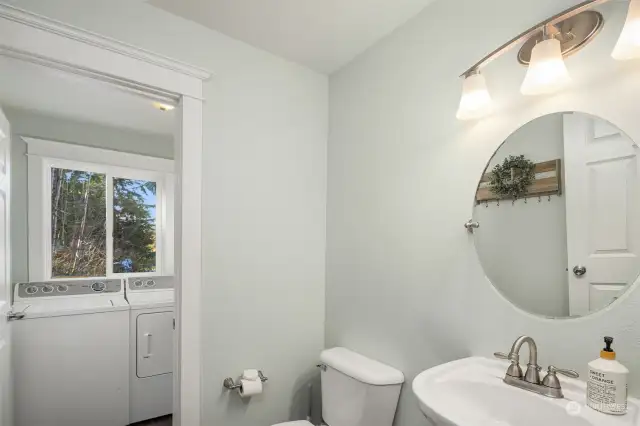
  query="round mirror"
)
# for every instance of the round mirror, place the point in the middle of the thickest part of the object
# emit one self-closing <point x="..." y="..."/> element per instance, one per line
<point x="558" y="214"/>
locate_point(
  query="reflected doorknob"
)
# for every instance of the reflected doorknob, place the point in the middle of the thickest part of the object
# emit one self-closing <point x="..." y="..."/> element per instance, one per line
<point x="579" y="271"/>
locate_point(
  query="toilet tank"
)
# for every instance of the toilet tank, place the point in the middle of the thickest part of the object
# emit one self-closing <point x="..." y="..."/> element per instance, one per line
<point x="358" y="391"/>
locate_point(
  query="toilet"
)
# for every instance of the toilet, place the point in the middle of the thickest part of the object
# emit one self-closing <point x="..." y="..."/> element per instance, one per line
<point x="356" y="390"/>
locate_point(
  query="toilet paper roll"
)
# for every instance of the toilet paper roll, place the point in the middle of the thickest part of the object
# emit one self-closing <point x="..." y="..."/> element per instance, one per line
<point x="250" y="388"/>
<point x="251" y="374"/>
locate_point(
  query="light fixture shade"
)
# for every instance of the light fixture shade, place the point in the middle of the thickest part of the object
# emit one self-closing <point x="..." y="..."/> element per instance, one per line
<point x="628" y="45"/>
<point x="476" y="101"/>
<point x="547" y="71"/>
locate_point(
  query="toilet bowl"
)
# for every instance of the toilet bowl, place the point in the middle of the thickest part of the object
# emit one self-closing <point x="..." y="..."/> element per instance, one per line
<point x="356" y="390"/>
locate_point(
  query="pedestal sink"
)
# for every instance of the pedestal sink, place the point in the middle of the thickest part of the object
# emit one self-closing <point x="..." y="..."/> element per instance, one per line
<point x="470" y="392"/>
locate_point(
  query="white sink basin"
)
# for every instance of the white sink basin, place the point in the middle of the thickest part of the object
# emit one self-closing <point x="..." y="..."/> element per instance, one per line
<point x="470" y="392"/>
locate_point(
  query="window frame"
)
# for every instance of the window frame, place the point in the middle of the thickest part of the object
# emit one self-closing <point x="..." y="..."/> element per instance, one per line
<point x="41" y="162"/>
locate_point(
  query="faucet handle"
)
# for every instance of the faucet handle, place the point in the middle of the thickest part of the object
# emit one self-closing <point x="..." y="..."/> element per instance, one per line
<point x="509" y="357"/>
<point x="569" y="373"/>
<point x="514" y="369"/>
<point x="551" y="379"/>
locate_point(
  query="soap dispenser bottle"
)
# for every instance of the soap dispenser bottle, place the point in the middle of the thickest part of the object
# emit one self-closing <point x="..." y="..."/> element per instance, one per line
<point x="607" y="382"/>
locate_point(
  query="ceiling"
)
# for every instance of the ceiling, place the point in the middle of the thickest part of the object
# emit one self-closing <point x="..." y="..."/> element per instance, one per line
<point x="323" y="35"/>
<point x="33" y="87"/>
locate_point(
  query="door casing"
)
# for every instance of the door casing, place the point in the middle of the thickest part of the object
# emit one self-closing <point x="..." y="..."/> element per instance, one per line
<point x="41" y="40"/>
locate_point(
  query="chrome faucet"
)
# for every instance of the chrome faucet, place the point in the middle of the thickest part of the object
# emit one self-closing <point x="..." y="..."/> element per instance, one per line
<point x="549" y="386"/>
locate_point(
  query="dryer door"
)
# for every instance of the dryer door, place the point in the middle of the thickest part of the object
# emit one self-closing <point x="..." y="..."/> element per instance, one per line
<point x="154" y="344"/>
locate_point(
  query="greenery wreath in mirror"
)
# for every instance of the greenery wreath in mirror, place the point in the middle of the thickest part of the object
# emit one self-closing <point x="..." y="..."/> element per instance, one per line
<point x="512" y="178"/>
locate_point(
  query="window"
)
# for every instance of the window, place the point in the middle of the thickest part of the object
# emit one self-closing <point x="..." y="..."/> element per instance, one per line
<point x="88" y="219"/>
<point x="134" y="225"/>
<point x="78" y="223"/>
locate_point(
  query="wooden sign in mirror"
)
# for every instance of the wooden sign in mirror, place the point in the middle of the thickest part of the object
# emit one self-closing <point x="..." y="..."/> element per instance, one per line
<point x="559" y="212"/>
<point x="547" y="181"/>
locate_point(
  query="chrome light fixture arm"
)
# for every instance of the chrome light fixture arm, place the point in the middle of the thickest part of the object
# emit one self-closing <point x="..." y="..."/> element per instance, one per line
<point x="566" y="14"/>
<point x="543" y="48"/>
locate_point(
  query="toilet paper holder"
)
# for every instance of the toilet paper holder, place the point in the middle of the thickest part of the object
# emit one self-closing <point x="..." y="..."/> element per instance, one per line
<point x="231" y="385"/>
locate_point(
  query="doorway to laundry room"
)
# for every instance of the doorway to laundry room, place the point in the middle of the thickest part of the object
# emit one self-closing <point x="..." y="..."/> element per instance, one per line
<point x="88" y="190"/>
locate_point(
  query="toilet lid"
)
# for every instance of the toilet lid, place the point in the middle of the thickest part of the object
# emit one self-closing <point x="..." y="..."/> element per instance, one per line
<point x="297" y="423"/>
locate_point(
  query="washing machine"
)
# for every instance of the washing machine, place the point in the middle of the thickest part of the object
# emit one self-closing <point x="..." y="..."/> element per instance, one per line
<point x="152" y="341"/>
<point x="71" y="353"/>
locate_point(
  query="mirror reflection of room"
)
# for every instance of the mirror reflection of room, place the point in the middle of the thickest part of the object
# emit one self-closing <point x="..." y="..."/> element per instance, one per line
<point x="566" y="244"/>
<point x="92" y="235"/>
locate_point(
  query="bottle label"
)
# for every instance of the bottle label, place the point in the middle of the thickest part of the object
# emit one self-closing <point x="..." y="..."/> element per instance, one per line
<point x="607" y="392"/>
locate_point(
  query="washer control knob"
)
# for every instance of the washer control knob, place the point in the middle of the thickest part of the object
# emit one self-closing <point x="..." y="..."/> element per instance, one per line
<point x="47" y="289"/>
<point x="137" y="283"/>
<point x="150" y="283"/>
<point x="62" y="288"/>
<point x="98" y="286"/>
<point x="32" y="289"/>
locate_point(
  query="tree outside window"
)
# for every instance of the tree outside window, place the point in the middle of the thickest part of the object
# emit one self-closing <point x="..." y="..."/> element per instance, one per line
<point x="134" y="226"/>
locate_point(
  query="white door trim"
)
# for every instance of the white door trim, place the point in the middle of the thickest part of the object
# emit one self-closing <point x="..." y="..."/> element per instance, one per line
<point x="25" y="34"/>
<point x="6" y="378"/>
<point x="51" y="43"/>
<point x="65" y="30"/>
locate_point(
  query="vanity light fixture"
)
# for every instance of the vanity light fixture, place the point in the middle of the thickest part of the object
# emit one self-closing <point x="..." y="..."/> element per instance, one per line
<point x="543" y="49"/>
<point x="547" y="71"/>
<point x="476" y="101"/>
<point x="628" y="45"/>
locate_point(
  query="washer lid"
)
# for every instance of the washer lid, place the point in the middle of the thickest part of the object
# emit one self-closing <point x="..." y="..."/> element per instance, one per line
<point x="151" y="299"/>
<point x="361" y="368"/>
<point x="62" y="306"/>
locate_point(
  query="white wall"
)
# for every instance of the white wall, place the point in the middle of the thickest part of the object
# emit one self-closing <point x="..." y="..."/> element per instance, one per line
<point x="523" y="246"/>
<point x="404" y="283"/>
<point x="264" y="203"/>
<point x="27" y="123"/>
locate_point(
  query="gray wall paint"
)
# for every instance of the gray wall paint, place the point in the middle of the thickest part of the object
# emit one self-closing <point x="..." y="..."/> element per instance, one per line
<point x="26" y="123"/>
<point x="264" y="205"/>
<point x="404" y="284"/>
<point x="523" y="246"/>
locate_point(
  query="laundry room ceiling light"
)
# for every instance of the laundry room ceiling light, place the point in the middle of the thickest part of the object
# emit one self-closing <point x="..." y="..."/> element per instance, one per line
<point x="163" y="106"/>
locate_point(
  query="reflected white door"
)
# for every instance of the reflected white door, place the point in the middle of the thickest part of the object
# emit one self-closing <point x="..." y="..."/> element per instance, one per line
<point x="603" y="220"/>
<point x="6" y="415"/>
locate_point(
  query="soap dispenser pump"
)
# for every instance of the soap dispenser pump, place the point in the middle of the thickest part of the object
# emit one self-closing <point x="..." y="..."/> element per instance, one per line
<point x="607" y="382"/>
